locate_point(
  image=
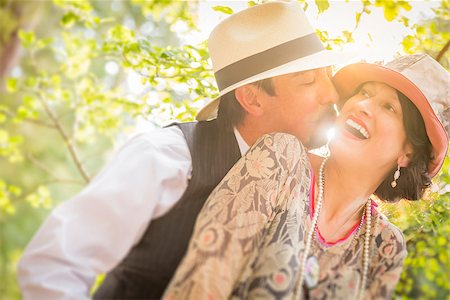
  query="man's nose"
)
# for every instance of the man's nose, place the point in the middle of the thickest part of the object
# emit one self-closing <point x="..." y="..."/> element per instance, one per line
<point x="329" y="93"/>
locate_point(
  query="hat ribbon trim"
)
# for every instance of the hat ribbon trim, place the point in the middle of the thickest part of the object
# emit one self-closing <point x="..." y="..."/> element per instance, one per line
<point x="267" y="60"/>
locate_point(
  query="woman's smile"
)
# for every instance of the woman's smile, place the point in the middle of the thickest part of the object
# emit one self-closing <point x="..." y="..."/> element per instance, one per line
<point x="357" y="127"/>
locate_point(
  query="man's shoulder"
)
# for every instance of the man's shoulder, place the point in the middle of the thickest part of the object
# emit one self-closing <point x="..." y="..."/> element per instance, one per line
<point x="160" y="138"/>
<point x="166" y="145"/>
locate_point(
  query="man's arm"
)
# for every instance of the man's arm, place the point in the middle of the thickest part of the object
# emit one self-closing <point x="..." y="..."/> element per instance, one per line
<point x="93" y="232"/>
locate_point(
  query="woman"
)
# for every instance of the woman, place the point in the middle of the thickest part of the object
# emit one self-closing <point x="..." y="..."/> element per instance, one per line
<point x="271" y="230"/>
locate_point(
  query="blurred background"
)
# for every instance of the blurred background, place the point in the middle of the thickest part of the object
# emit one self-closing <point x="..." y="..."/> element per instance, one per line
<point x="78" y="78"/>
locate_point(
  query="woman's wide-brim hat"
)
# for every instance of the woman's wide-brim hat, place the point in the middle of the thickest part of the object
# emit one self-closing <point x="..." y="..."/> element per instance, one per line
<point x="264" y="41"/>
<point x="420" y="78"/>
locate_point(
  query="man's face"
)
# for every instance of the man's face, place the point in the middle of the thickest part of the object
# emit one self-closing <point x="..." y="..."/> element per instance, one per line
<point x="302" y="105"/>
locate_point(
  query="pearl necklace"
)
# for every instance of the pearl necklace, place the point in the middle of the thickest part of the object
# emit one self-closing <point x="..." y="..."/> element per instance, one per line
<point x="314" y="222"/>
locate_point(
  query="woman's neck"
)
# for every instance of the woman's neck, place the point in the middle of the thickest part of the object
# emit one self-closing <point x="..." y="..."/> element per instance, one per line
<point x="346" y="191"/>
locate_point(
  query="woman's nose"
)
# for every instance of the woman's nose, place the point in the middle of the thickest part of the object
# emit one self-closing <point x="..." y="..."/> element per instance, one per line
<point x="366" y="106"/>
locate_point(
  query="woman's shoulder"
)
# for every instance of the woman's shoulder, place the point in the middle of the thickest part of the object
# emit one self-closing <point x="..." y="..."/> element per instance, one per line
<point x="284" y="148"/>
<point x="389" y="239"/>
<point x="282" y="141"/>
<point x="385" y="227"/>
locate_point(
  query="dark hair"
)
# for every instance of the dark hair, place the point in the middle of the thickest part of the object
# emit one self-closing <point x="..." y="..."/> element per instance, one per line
<point x="414" y="179"/>
<point x="230" y="111"/>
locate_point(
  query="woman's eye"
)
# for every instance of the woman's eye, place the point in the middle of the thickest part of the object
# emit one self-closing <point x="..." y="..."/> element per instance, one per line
<point x="389" y="106"/>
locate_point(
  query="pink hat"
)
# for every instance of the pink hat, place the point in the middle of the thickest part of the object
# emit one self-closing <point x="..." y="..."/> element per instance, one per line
<point x="420" y="78"/>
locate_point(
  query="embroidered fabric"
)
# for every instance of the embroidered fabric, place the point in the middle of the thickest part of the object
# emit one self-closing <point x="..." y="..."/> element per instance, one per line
<point x="249" y="236"/>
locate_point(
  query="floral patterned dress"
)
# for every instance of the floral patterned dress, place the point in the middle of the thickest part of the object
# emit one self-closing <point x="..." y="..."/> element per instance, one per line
<point x="248" y="240"/>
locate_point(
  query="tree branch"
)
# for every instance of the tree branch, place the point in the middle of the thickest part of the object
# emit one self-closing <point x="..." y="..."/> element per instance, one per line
<point x="39" y="164"/>
<point x="40" y="123"/>
<point x="37" y="122"/>
<point x="443" y="50"/>
<point x="54" y="178"/>
<point x="69" y="145"/>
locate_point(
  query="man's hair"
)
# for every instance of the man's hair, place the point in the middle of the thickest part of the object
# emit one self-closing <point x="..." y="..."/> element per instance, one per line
<point x="230" y="110"/>
<point x="414" y="179"/>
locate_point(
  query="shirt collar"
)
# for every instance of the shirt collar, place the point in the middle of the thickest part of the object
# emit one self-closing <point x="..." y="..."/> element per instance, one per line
<point x="243" y="147"/>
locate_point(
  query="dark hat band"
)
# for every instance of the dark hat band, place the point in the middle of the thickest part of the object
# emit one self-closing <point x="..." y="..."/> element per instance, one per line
<point x="267" y="60"/>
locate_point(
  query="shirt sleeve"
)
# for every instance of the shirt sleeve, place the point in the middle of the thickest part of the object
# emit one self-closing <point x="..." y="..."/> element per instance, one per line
<point x="92" y="232"/>
<point x="390" y="255"/>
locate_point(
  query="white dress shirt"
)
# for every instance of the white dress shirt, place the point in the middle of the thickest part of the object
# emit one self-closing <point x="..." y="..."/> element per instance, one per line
<point x="92" y="232"/>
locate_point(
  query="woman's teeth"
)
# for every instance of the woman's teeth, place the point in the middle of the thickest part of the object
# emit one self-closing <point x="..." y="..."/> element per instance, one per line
<point x="357" y="127"/>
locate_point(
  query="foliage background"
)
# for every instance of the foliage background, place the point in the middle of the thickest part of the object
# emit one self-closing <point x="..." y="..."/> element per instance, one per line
<point x="68" y="72"/>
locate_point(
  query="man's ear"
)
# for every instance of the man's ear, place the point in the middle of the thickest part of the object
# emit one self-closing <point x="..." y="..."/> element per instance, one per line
<point x="404" y="160"/>
<point x="249" y="97"/>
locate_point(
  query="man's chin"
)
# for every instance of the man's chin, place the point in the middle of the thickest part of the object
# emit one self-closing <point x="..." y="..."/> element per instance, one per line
<point x="316" y="141"/>
<point x="320" y="137"/>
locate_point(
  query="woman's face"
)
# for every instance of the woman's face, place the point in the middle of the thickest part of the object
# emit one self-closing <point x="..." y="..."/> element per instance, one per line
<point x="370" y="129"/>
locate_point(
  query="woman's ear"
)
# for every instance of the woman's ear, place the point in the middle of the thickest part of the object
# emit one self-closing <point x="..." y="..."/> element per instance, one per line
<point x="249" y="97"/>
<point x="404" y="160"/>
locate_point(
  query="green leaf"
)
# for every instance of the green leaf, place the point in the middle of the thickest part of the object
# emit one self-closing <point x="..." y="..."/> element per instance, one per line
<point x="224" y="9"/>
<point x="31" y="82"/>
<point x="405" y="21"/>
<point x="121" y="33"/>
<point x="133" y="47"/>
<point x="26" y="38"/>
<point x="56" y="80"/>
<point x="390" y="13"/>
<point x="69" y="19"/>
<point x="27" y="111"/>
<point x="405" y="5"/>
<point x="66" y="95"/>
<point x="16" y="191"/>
<point x="348" y="36"/>
<point x="420" y="29"/>
<point x="357" y="17"/>
<point x="441" y="241"/>
<point x="433" y="28"/>
<point x="11" y="85"/>
<point x="408" y="44"/>
<point x="322" y="5"/>
<point x="41" y="198"/>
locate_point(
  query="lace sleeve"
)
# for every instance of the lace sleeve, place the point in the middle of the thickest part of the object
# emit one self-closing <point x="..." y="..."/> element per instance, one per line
<point x="391" y="253"/>
<point x="230" y="226"/>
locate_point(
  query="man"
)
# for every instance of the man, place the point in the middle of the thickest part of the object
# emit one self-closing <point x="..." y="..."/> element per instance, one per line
<point x="135" y="219"/>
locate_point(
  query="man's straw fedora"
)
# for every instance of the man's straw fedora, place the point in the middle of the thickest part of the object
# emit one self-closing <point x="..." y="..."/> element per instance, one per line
<point x="264" y="41"/>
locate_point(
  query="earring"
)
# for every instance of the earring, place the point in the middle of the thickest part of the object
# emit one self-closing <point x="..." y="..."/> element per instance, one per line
<point x="396" y="176"/>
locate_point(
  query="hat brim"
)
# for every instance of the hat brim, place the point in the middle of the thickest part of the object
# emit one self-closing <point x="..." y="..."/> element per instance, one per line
<point x="320" y="59"/>
<point x="352" y="76"/>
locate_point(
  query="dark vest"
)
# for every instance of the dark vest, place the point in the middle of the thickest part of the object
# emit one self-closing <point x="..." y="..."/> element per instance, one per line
<point x="147" y="269"/>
